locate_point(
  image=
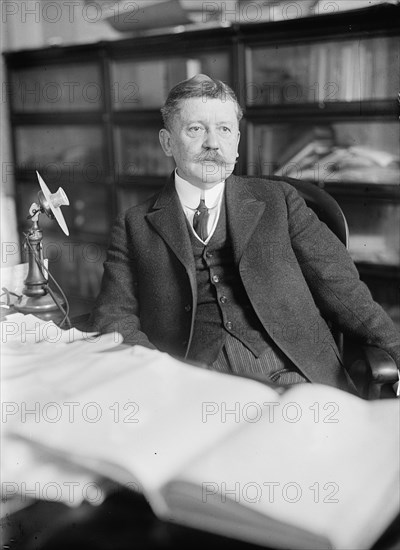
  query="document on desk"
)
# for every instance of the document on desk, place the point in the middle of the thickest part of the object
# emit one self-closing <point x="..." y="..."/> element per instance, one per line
<point x="213" y="451"/>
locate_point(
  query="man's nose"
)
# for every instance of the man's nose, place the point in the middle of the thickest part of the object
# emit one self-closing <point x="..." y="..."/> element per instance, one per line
<point x="211" y="140"/>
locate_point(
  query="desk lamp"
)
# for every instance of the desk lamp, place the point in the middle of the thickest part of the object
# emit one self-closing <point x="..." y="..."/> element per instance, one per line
<point x="37" y="297"/>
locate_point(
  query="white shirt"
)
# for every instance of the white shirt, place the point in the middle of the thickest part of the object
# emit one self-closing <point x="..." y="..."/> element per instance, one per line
<point x="190" y="195"/>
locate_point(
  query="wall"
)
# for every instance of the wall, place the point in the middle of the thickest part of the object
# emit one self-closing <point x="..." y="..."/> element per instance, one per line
<point x="10" y="250"/>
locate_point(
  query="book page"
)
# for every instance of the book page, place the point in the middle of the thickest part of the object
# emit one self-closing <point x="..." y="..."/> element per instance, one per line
<point x="135" y="415"/>
<point x="320" y="460"/>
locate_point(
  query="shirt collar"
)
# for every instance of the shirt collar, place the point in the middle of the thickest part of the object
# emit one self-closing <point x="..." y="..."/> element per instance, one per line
<point x="190" y="195"/>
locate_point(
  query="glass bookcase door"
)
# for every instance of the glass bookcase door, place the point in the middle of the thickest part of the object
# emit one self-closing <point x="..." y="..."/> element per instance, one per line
<point x="144" y="84"/>
<point x="327" y="71"/>
<point x="76" y="264"/>
<point x="139" y="153"/>
<point x="61" y="149"/>
<point x="360" y="156"/>
<point x="339" y="152"/>
<point x="131" y="195"/>
<point x="57" y="88"/>
<point x="374" y="236"/>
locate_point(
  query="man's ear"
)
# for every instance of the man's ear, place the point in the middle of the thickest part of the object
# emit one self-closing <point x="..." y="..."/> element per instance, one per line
<point x="165" y="140"/>
<point x="237" y="145"/>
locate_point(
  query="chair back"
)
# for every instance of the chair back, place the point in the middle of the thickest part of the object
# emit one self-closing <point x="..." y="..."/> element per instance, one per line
<point x="323" y="204"/>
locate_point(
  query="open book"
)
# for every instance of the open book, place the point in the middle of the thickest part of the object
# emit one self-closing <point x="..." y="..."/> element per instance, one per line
<point x="312" y="467"/>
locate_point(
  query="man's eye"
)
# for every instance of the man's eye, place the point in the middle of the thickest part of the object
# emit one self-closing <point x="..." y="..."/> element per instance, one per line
<point x="195" y="129"/>
<point x="225" y="129"/>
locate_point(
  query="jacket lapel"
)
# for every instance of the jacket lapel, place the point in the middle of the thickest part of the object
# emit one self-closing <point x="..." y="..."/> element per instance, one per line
<point x="244" y="212"/>
<point x="169" y="220"/>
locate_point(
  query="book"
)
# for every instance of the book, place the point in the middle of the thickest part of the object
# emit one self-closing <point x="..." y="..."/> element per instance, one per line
<point x="304" y="142"/>
<point x="309" y="467"/>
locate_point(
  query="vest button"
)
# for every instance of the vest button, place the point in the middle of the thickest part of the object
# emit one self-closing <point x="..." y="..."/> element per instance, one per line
<point x="209" y="254"/>
<point x="228" y="325"/>
<point x="215" y="278"/>
<point x="223" y="299"/>
<point x="188" y="307"/>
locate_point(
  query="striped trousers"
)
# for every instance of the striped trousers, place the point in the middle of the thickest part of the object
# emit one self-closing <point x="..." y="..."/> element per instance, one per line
<point x="272" y="366"/>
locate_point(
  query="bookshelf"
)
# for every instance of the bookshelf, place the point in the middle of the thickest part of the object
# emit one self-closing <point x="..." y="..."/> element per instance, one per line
<point x="320" y="103"/>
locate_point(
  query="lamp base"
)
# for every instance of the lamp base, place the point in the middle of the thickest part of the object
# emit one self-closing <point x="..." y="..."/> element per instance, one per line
<point x="38" y="304"/>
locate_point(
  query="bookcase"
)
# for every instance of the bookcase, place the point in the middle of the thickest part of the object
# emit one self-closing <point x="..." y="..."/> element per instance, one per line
<point x="320" y="103"/>
<point x="321" y="106"/>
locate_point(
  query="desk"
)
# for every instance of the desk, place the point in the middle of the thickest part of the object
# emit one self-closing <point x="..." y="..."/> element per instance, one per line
<point x="123" y="522"/>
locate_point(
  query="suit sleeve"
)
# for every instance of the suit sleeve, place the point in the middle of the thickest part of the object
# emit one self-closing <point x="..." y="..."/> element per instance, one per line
<point x="334" y="281"/>
<point x="117" y="307"/>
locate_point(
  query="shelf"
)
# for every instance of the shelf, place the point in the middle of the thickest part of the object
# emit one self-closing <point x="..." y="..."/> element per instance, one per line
<point x="383" y="19"/>
<point x="59" y="118"/>
<point x="142" y="117"/>
<point x="381" y="271"/>
<point x="143" y="181"/>
<point x="325" y="111"/>
<point x="384" y="192"/>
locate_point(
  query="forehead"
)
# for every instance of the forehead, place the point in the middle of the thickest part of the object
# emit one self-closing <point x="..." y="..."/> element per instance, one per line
<point x="207" y="110"/>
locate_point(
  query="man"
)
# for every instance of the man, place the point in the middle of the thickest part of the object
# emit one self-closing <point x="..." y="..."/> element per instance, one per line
<point x="234" y="273"/>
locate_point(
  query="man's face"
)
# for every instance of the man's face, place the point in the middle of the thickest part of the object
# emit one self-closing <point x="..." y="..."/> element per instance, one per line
<point x="203" y="140"/>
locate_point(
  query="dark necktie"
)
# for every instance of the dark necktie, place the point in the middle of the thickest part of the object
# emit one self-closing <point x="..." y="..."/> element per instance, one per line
<point x="200" y="220"/>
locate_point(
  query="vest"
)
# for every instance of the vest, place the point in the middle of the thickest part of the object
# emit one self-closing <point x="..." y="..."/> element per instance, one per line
<point x="222" y="303"/>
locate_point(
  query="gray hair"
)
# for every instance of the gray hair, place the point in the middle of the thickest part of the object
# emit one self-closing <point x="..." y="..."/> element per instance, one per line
<point x="199" y="86"/>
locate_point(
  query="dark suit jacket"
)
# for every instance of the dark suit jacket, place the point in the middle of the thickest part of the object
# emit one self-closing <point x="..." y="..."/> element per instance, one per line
<point x="295" y="271"/>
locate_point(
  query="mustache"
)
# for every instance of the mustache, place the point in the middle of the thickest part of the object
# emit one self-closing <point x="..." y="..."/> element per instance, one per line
<point x="210" y="156"/>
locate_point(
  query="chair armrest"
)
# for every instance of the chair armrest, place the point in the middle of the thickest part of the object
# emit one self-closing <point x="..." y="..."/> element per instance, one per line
<point x="374" y="373"/>
<point x="381" y="365"/>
